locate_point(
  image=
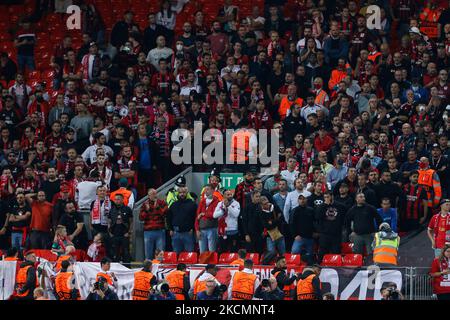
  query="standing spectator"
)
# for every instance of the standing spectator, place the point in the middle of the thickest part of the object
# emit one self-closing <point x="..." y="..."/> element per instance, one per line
<point x="302" y="229"/>
<point x="271" y="221"/>
<point x="82" y="123"/>
<point x="19" y="220"/>
<point x="440" y="271"/>
<point x="252" y="223"/>
<point x="51" y="186"/>
<point x="151" y="32"/>
<point x="219" y="40"/>
<point x="205" y="223"/>
<point x="123" y="29"/>
<point x="160" y="52"/>
<point x="292" y="199"/>
<point x="41" y="221"/>
<point x="360" y="219"/>
<point x="180" y="222"/>
<point x="413" y="206"/>
<point x="388" y="214"/>
<point x="100" y="209"/>
<point x="25" y="42"/>
<point x="166" y="18"/>
<point x="387" y="189"/>
<point x="74" y="223"/>
<point x="330" y="217"/>
<point x="90" y="64"/>
<point x="8" y="67"/>
<point x="153" y="214"/>
<point x="227" y="212"/>
<point x="439" y="228"/>
<point x="335" y="46"/>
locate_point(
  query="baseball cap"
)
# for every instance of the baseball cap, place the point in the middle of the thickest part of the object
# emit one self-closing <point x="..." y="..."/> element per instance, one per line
<point x="92" y="44"/>
<point x="444" y="201"/>
<point x="435" y="145"/>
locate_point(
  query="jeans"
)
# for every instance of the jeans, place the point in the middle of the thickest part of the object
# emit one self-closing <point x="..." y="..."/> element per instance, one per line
<point x="278" y="245"/>
<point x="154" y="239"/>
<point x="304" y="247"/>
<point x="16" y="240"/>
<point x="182" y="241"/>
<point x="208" y="240"/>
<point x="23" y="61"/>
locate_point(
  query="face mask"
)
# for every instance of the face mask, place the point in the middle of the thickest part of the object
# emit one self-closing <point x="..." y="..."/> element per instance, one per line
<point x="370" y="152"/>
<point x="179" y="47"/>
<point x="317" y="86"/>
<point x="109" y="108"/>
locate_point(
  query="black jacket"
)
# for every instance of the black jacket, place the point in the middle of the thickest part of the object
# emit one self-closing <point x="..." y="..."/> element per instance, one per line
<point x="347" y="202"/>
<point x="282" y="277"/>
<point x="302" y="222"/>
<point x="276" y="294"/>
<point x="371" y="196"/>
<point x="293" y="125"/>
<point x="109" y="295"/>
<point x="271" y="220"/>
<point x="363" y="218"/>
<point x="252" y="223"/>
<point x="181" y="215"/>
<point x="330" y="218"/>
<point x="390" y="190"/>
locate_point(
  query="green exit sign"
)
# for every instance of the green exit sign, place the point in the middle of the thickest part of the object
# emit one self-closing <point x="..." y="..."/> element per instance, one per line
<point x="229" y="180"/>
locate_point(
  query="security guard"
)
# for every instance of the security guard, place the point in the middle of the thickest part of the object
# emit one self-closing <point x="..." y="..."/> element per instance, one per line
<point x="385" y="246"/>
<point x="65" y="283"/>
<point x="26" y="279"/>
<point x="172" y="195"/>
<point x="244" y="283"/>
<point x="308" y="284"/>
<point x="285" y="283"/>
<point x="178" y="281"/>
<point x="210" y="272"/>
<point x="430" y="179"/>
<point x="143" y="282"/>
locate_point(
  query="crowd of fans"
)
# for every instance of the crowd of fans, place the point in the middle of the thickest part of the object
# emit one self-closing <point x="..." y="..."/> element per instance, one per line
<point x="363" y="117"/>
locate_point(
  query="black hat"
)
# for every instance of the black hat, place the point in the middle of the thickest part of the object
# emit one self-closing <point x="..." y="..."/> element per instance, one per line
<point x="181" y="181"/>
<point x="92" y="44"/>
<point x="436" y="146"/>
<point x="444" y="201"/>
<point x="215" y="173"/>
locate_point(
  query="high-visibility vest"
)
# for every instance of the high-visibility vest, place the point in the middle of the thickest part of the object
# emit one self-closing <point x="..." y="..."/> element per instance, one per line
<point x="124" y="192"/>
<point x="320" y="98"/>
<point x="62" y="287"/>
<point x="142" y="286"/>
<point x="11" y="259"/>
<point x="60" y="260"/>
<point x="240" y="146"/>
<point x="433" y="186"/>
<point x="176" y="283"/>
<point x="429" y="22"/>
<point x="305" y="289"/>
<point x="288" y="289"/>
<point x="286" y="104"/>
<point x="199" y="286"/>
<point x="21" y="280"/>
<point x="385" y="250"/>
<point x="106" y="276"/>
<point x="243" y="286"/>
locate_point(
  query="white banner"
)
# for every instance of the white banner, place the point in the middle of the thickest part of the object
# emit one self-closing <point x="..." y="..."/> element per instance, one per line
<point x="7" y="278"/>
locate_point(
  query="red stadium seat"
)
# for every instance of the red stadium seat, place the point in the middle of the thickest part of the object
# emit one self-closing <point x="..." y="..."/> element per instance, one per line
<point x="80" y="255"/>
<point x="253" y="256"/>
<point x="332" y="260"/>
<point x="352" y="260"/>
<point x="346" y="247"/>
<point x="170" y="257"/>
<point x="227" y="258"/>
<point x="46" y="254"/>
<point x="188" y="257"/>
<point x="208" y="257"/>
<point x="293" y="259"/>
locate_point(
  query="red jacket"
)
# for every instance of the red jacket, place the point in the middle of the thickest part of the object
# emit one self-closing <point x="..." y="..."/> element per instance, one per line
<point x="440" y="284"/>
<point x="208" y="210"/>
<point x="323" y="145"/>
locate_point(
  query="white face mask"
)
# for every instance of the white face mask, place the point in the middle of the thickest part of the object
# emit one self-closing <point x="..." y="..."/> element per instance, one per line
<point x="179" y="47"/>
<point x="370" y="152"/>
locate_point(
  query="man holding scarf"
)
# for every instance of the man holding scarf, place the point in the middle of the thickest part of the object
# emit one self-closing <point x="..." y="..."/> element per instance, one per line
<point x="100" y="208"/>
<point x="90" y="64"/>
<point x="228" y="211"/>
<point x="205" y="223"/>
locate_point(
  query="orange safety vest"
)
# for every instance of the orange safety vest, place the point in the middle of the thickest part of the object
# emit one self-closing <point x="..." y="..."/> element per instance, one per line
<point x="286" y="104"/>
<point x="142" y="286"/>
<point x="11" y="259"/>
<point x="124" y="192"/>
<point x="60" y="260"/>
<point x="21" y="280"/>
<point x="106" y="276"/>
<point x="240" y="146"/>
<point x="433" y="187"/>
<point x="385" y="250"/>
<point x="336" y="77"/>
<point x="305" y="290"/>
<point x="429" y="22"/>
<point x="156" y="261"/>
<point x="199" y="286"/>
<point x="243" y="286"/>
<point x="320" y="98"/>
<point x="62" y="288"/>
<point x="288" y="289"/>
<point x="176" y="283"/>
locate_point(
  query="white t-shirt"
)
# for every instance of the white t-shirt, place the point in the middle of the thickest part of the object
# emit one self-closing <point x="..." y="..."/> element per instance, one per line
<point x="87" y="192"/>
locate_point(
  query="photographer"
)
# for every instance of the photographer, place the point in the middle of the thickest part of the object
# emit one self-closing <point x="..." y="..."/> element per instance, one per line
<point x="389" y="292"/>
<point x="161" y="292"/>
<point x="268" y="290"/>
<point x="101" y="291"/>
<point x="213" y="291"/>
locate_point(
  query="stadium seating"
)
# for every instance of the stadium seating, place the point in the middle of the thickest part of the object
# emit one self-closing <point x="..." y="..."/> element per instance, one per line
<point x="293" y="259"/>
<point x="346" y="248"/>
<point x="170" y="257"/>
<point x="208" y="257"/>
<point x="254" y="257"/>
<point x="332" y="260"/>
<point x="188" y="257"/>
<point x="352" y="260"/>
<point x="227" y="258"/>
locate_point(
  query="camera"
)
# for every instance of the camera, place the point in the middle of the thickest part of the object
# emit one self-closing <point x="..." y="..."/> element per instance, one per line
<point x="392" y="294"/>
<point x="162" y="288"/>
